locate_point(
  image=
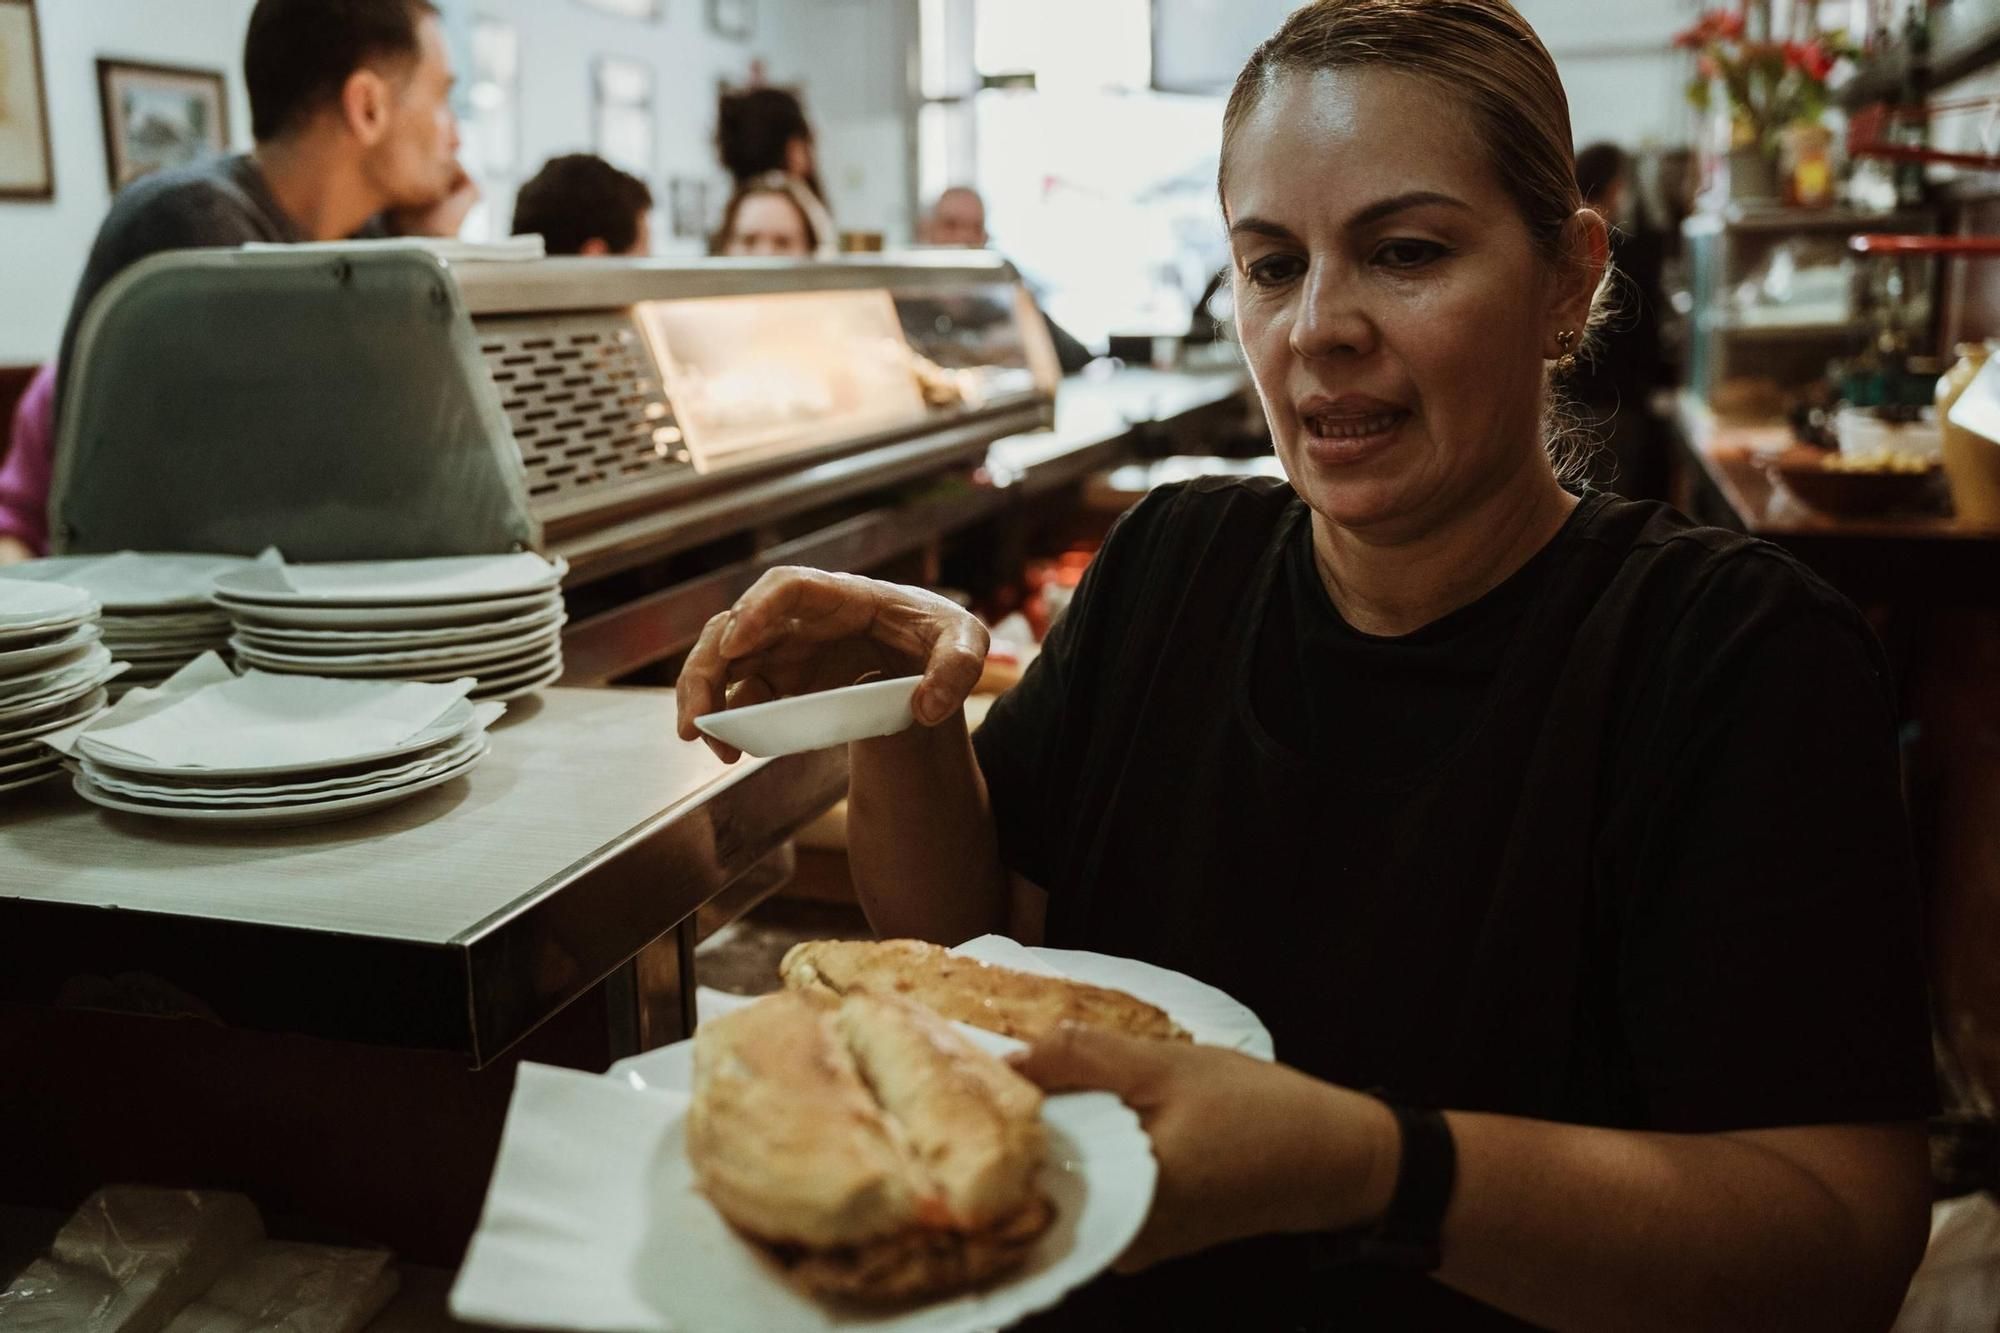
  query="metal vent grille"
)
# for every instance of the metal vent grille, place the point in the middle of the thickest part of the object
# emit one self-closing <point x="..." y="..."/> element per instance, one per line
<point x="584" y="399"/>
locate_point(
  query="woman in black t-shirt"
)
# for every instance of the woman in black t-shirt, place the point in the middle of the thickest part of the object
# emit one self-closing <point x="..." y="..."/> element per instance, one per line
<point x="1562" y="815"/>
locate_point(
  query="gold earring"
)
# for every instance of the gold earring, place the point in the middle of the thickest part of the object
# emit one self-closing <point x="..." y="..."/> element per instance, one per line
<point x="1566" y="362"/>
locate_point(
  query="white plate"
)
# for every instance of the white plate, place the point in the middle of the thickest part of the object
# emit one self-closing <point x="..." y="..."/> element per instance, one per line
<point x="30" y="779"/>
<point x="25" y="605"/>
<point x="360" y="663"/>
<point x="37" y="633"/>
<point x="52" y="717"/>
<point x="593" y="1222"/>
<point x="279" y="816"/>
<point x="815" y="721"/>
<point x="18" y="660"/>
<point x="386" y="617"/>
<point x="220" y="794"/>
<point x="449" y="724"/>
<point x="29" y="711"/>
<point x="287" y="640"/>
<point x="133" y="580"/>
<point x="449" y="580"/>
<point x="53" y="678"/>
<point x="498" y="689"/>
<point x="14" y="767"/>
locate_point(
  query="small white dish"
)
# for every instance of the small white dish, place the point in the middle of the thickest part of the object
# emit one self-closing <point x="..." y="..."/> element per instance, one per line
<point x="816" y="721"/>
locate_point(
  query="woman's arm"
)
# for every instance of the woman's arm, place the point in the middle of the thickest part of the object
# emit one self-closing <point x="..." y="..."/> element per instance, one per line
<point x="920" y="839"/>
<point x="1813" y="1228"/>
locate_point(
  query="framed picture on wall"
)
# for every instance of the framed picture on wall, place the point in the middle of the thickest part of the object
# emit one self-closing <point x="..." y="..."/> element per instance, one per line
<point x="27" y="169"/>
<point x="159" y="116"/>
<point x="621" y="114"/>
<point x="631" y="9"/>
<point x="687" y="208"/>
<point x="735" y="19"/>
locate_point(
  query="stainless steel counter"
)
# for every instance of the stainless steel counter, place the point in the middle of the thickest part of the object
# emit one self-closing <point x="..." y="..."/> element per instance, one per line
<point x="456" y="921"/>
<point x="1096" y="422"/>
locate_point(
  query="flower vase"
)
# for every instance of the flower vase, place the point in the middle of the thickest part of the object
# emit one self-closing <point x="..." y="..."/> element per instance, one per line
<point x="1752" y="176"/>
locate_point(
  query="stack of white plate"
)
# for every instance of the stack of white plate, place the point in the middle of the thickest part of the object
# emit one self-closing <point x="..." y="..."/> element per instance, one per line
<point x="157" y="615"/>
<point x="52" y="673"/>
<point x="495" y="618"/>
<point x="275" y="750"/>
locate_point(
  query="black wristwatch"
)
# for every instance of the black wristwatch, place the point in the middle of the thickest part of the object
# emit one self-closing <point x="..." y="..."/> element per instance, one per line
<point x="1408" y="1235"/>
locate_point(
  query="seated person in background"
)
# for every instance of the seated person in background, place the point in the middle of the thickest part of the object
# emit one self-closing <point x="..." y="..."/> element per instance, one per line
<point x="24" y="472"/>
<point x="959" y="218"/>
<point x="767" y="217"/>
<point x="350" y="109"/>
<point x="579" y="204"/>
<point x="760" y="132"/>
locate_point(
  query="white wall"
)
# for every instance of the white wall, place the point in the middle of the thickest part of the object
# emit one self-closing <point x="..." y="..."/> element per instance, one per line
<point x="847" y="55"/>
<point x="1624" y="82"/>
<point x="43" y="245"/>
<point x="852" y="60"/>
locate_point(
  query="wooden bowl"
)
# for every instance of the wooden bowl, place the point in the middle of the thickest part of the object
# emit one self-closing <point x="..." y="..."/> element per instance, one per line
<point x="1861" y="494"/>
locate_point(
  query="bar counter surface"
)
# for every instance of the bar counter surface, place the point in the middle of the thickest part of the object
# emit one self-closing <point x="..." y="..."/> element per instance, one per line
<point x="457" y="921"/>
<point x="1903" y="558"/>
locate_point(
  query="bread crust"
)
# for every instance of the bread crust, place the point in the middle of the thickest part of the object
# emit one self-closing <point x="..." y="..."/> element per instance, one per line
<point x="871" y="1149"/>
<point x="999" y="999"/>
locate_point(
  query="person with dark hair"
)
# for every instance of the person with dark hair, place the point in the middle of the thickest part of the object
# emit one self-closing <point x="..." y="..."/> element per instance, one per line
<point x="761" y="130"/>
<point x="579" y="204"/>
<point x="769" y="216"/>
<point x="351" y="112"/>
<point x="1614" y="384"/>
<point x="1557" y="841"/>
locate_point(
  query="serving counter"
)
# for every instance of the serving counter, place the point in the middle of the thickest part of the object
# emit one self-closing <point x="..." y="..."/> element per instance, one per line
<point x="328" y="1018"/>
<point x="1928" y="559"/>
<point x="456" y="921"/>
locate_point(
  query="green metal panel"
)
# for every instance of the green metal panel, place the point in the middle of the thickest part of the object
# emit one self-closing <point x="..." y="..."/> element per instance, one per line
<point x="330" y="403"/>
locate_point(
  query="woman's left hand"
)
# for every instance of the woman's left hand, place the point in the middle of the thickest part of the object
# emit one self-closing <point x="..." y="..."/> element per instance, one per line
<point x="1245" y="1147"/>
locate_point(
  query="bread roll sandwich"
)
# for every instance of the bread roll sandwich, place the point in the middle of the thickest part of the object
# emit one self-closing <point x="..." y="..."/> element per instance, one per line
<point x="870" y="1148"/>
<point x="998" y="999"/>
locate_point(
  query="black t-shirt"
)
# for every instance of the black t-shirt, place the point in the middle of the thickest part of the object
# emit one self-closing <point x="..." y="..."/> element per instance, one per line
<point x="1621" y="843"/>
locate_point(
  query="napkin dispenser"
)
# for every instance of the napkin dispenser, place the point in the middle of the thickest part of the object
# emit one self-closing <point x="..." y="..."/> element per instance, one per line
<point x="334" y="405"/>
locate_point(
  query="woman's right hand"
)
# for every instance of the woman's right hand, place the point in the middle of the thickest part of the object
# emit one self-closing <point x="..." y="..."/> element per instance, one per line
<point x="800" y="630"/>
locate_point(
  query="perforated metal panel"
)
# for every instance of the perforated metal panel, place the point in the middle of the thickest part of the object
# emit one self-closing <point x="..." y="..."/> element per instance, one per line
<point x="584" y="400"/>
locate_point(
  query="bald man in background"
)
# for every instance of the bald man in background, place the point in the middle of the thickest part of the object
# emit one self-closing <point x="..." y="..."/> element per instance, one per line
<point x="958" y="218"/>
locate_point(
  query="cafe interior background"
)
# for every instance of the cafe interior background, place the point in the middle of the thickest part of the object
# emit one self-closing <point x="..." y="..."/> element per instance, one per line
<point x="1822" y="285"/>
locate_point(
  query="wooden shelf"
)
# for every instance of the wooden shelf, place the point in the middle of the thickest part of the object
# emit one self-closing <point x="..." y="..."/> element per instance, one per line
<point x="1959" y="48"/>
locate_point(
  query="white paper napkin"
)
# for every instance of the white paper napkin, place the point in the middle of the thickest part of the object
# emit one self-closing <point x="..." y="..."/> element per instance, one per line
<point x="592" y="1222"/>
<point x="133" y="580"/>
<point x="205" y="717"/>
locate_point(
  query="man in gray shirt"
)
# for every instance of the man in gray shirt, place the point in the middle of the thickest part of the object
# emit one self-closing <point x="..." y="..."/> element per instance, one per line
<point x="351" y="112"/>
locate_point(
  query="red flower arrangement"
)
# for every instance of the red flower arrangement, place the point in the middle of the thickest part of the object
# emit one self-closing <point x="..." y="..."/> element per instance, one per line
<point x="1770" y="85"/>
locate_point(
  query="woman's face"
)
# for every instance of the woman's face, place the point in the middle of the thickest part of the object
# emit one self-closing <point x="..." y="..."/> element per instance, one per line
<point x="1391" y="303"/>
<point x="768" y="224"/>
